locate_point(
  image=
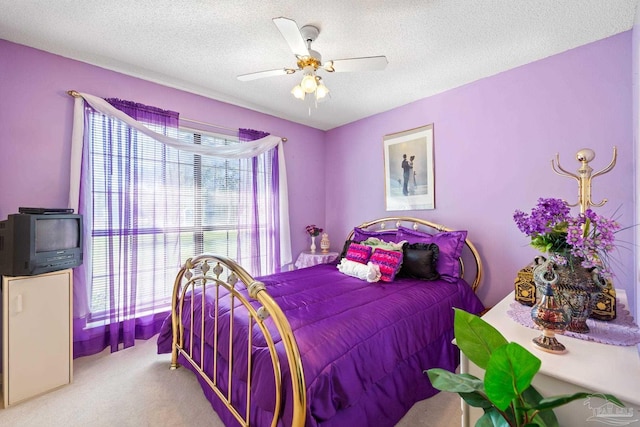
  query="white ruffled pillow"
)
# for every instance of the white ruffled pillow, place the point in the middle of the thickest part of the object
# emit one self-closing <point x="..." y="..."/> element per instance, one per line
<point x="369" y="272"/>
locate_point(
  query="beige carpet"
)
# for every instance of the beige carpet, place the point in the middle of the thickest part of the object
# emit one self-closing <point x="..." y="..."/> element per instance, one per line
<point x="135" y="387"/>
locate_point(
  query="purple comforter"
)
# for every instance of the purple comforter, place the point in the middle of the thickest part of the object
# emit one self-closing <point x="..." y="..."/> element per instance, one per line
<point x="364" y="346"/>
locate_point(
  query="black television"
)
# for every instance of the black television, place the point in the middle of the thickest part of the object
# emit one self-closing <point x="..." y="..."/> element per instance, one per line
<point x="32" y="244"/>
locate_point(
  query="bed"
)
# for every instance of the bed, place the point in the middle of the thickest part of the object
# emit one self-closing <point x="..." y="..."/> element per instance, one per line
<point x="319" y="347"/>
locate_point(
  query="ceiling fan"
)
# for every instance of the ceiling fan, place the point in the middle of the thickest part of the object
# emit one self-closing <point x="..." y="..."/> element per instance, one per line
<point x="309" y="61"/>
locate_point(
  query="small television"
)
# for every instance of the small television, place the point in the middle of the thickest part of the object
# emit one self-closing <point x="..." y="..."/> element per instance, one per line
<point x="39" y="243"/>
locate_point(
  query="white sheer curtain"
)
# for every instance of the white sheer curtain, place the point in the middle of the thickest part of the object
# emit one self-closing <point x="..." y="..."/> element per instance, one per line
<point x="236" y="151"/>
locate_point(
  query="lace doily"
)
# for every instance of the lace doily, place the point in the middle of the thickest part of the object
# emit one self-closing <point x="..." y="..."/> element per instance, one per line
<point x="620" y="331"/>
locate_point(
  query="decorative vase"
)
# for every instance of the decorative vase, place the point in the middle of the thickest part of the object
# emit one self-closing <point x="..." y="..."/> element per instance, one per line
<point x="324" y="243"/>
<point x="577" y="290"/>
<point x="313" y="244"/>
<point x="548" y="314"/>
<point x="605" y="307"/>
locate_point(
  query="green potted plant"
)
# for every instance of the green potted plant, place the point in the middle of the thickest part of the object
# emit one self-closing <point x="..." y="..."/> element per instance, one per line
<point x="506" y="394"/>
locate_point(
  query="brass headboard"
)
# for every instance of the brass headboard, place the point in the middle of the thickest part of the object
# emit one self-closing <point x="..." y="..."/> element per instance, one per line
<point x="392" y="223"/>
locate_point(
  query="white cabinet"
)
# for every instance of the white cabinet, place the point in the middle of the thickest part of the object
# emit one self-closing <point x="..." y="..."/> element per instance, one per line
<point x="37" y="340"/>
<point x="586" y="367"/>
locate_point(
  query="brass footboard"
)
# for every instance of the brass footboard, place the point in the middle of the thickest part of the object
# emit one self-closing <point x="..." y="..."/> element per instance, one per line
<point x="205" y="271"/>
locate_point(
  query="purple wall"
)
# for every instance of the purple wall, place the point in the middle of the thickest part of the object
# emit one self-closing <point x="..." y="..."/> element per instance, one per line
<point x="36" y="118"/>
<point x="494" y="140"/>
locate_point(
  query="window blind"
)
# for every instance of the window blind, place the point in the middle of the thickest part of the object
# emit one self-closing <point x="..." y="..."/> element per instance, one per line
<point x="153" y="207"/>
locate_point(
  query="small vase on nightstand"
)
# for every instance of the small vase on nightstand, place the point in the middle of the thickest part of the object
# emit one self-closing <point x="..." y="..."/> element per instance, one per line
<point x="313" y="244"/>
<point x="324" y="243"/>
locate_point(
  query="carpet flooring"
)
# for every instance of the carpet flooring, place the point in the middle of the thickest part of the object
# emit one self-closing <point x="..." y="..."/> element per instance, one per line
<point x="135" y="387"/>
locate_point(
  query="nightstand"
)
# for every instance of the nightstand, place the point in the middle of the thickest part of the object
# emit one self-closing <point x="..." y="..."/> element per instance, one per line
<point x="37" y="334"/>
<point x="586" y="367"/>
<point x="308" y="259"/>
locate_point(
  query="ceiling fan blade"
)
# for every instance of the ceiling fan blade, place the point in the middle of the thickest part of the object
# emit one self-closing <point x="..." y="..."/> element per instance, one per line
<point x="291" y="33"/>
<point x="368" y="63"/>
<point x="263" y="74"/>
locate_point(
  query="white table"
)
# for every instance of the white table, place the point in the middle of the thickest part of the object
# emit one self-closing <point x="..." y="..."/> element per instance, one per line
<point x="308" y="259"/>
<point x="586" y="367"/>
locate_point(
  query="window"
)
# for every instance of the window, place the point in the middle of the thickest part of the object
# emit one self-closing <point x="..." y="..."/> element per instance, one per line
<point x="153" y="195"/>
<point x="153" y="207"/>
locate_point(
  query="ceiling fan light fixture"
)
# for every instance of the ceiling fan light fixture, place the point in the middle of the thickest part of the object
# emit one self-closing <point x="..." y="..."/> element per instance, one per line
<point x="309" y="83"/>
<point x="321" y="91"/>
<point x="298" y="92"/>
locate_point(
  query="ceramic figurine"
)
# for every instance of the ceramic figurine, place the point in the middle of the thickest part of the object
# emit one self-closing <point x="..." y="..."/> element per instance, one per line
<point x="324" y="243"/>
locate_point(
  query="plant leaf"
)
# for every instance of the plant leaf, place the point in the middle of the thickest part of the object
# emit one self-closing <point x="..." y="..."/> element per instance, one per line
<point x="555" y="401"/>
<point x="491" y="418"/>
<point x="476" y="399"/>
<point x="476" y="338"/>
<point x="544" y="418"/>
<point x="455" y="383"/>
<point x="509" y="415"/>
<point x="509" y="373"/>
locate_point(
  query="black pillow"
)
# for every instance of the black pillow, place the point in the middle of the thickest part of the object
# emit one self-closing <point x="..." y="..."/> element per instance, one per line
<point x="419" y="261"/>
<point x="345" y="248"/>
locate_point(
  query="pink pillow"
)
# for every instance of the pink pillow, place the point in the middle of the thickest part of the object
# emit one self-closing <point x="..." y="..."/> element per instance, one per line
<point x="450" y="244"/>
<point x="388" y="261"/>
<point x="358" y="253"/>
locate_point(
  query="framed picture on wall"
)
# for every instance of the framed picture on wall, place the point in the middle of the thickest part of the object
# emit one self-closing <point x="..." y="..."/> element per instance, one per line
<point x="409" y="170"/>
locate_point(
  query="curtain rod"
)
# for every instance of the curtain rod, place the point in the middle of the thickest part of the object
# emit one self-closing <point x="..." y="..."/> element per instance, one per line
<point x="76" y="94"/>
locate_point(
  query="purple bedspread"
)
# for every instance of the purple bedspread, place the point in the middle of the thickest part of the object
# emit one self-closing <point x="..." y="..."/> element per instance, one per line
<point x="364" y="346"/>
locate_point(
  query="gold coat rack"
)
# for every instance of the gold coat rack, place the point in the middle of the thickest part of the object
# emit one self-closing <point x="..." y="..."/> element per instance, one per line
<point x="605" y="307"/>
<point x="584" y="176"/>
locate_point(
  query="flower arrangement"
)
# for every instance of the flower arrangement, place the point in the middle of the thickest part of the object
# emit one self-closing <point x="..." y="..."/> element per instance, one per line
<point x="588" y="237"/>
<point x="312" y="230"/>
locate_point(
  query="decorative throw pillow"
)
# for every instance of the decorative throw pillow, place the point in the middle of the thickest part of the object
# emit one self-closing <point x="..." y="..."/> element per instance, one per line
<point x="450" y="244"/>
<point x="359" y="253"/>
<point x="376" y="243"/>
<point x="360" y="234"/>
<point x="419" y="261"/>
<point x="369" y="272"/>
<point x="389" y="262"/>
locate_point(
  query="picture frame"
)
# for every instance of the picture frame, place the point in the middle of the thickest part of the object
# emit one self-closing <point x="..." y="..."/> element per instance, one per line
<point x="409" y="182"/>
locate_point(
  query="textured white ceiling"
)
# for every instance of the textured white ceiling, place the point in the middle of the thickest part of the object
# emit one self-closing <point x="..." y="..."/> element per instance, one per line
<point x="202" y="45"/>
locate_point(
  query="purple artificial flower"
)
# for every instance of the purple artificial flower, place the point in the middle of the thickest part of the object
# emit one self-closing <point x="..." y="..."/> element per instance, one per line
<point x="588" y="237"/>
<point x="547" y="214"/>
